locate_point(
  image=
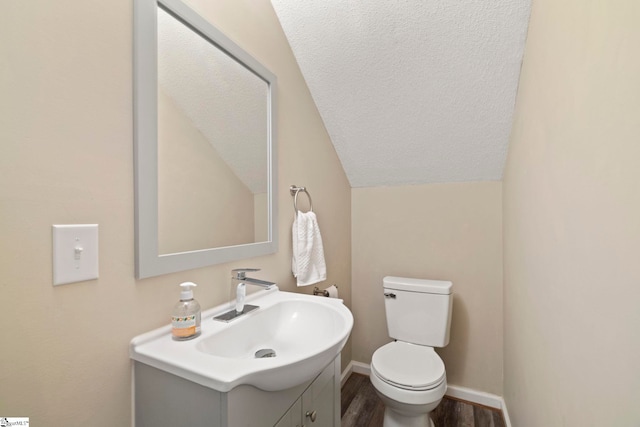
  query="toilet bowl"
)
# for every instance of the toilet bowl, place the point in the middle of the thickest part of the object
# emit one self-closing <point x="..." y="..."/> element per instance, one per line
<point x="411" y="381"/>
<point x="407" y="373"/>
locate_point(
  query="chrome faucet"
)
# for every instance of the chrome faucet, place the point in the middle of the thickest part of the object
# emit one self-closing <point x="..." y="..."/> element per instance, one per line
<point x="240" y="280"/>
<point x="240" y="276"/>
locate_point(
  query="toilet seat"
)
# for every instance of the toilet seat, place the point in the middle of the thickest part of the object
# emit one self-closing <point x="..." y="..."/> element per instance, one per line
<point x="408" y="366"/>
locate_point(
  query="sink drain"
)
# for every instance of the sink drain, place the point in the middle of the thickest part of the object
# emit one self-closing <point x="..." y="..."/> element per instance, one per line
<point x="265" y="352"/>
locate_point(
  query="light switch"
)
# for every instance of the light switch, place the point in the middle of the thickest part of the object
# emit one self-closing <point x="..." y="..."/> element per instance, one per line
<point x="75" y="253"/>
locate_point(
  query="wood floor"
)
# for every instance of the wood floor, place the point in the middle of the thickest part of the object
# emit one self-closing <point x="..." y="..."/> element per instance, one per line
<point x="361" y="407"/>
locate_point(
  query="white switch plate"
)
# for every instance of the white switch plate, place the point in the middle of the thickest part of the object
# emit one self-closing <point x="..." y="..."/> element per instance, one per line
<point x="75" y="253"/>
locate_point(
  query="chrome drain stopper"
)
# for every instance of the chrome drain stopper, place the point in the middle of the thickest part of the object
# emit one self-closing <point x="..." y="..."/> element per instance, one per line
<point x="265" y="352"/>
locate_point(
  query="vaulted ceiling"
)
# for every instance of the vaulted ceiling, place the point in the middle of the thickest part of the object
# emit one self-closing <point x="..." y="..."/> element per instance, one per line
<point x="412" y="91"/>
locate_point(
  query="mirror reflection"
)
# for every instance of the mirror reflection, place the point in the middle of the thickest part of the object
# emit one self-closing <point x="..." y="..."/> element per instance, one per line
<point x="204" y="144"/>
<point x="213" y="134"/>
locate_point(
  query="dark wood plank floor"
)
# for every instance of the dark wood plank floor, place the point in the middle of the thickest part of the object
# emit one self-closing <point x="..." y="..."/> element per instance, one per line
<point x="361" y="407"/>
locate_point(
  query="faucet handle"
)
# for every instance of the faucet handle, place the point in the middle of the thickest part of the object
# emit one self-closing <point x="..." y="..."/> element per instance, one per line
<point x="240" y="272"/>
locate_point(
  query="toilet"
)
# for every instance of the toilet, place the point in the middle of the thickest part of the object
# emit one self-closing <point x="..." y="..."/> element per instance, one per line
<point x="407" y="373"/>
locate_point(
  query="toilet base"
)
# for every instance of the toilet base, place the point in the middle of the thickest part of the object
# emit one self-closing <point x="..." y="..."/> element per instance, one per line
<point x="407" y="408"/>
<point x="395" y="419"/>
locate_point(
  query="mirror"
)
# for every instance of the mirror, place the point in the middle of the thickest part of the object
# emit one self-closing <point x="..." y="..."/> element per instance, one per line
<point x="204" y="144"/>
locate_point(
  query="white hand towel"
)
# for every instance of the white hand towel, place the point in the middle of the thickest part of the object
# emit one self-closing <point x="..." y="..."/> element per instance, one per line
<point x="307" y="264"/>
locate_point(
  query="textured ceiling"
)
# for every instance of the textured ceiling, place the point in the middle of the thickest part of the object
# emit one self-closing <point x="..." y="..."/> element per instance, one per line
<point x="412" y="91"/>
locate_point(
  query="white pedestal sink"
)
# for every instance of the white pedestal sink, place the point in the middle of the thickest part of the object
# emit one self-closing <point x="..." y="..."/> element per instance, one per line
<point x="305" y="332"/>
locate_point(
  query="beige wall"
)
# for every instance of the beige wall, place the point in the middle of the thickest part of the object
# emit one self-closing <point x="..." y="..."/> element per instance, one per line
<point x="572" y="220"/>
<point x="66" y="156"/>
<point x="440" y="231"/>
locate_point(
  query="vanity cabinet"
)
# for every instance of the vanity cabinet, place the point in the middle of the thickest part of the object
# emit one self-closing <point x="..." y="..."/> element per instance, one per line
<point x="317" y="407"/>
<point x="293" y="417"/>
<point x="163" y="399"/>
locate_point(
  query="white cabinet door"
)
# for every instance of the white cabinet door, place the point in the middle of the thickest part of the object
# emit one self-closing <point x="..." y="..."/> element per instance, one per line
<point x="316" y="407"/>
<point x="293" y="417"/>
<point x="318" y="403"/>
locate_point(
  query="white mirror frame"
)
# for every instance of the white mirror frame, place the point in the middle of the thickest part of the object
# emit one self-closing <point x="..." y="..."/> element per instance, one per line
<point x="149" y="262"/>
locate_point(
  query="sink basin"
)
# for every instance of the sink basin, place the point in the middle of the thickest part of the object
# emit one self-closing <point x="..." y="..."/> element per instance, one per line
<point x="289" y="340"/>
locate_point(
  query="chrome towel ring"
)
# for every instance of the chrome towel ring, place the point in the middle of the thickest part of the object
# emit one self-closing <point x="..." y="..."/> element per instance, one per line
<point x="295" y="190"/>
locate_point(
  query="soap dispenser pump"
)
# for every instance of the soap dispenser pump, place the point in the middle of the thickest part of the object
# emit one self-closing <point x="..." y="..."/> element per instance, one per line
<point x="185" y="319"/>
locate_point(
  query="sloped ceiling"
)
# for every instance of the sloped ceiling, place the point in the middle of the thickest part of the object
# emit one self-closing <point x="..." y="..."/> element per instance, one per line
<point x="412" y="91"/>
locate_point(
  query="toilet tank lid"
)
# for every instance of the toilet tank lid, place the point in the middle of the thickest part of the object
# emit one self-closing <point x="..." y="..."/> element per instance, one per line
<point x="418" y="285"/>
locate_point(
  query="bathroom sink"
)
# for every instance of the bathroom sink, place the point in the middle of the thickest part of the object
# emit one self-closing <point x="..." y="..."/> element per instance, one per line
<point x="287" y="341"/>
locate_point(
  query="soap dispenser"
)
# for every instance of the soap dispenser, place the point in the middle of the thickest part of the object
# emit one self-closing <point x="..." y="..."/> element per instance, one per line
<point x="185" y="319"/>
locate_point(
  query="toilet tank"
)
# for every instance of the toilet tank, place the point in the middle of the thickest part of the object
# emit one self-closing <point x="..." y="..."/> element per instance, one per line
<point x="418" y="311"/>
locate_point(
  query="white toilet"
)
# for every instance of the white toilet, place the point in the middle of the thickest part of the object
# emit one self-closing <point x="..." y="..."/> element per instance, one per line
<point x="407" y="374"/>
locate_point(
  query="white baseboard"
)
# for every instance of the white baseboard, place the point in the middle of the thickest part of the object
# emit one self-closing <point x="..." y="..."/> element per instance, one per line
<point x="353" y="366"/>
<point x="475" y="396"/>
<point x="505" y="413"/>
<point x="480" y="398"/>
<point x="464" y="393"/>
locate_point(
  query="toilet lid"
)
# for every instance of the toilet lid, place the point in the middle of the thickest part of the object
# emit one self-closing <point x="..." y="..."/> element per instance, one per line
<point x="408" y="366"/>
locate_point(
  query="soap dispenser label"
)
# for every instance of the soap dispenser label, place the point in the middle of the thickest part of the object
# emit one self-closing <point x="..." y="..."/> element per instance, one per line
<point x="183" y="326"/>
